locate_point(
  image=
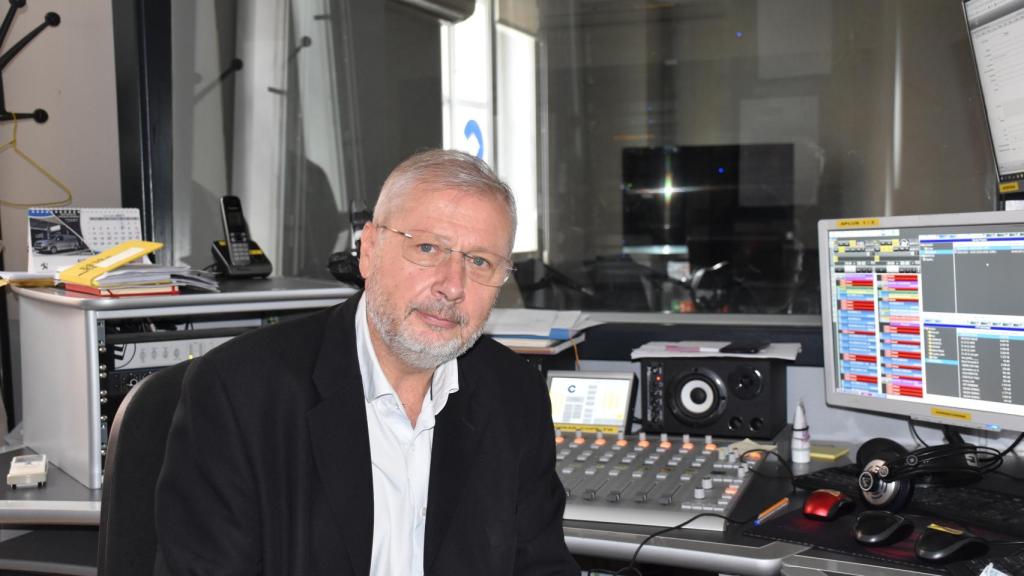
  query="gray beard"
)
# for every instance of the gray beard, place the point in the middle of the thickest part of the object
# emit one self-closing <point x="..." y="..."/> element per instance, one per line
<point x="411" y="351"/>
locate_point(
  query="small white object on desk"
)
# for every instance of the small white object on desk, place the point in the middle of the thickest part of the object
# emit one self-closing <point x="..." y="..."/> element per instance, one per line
<point x="800" y="446"/>
<point x="27" y="471"/>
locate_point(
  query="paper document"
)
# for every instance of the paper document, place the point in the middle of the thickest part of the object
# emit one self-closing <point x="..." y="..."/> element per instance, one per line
<point x="548" y="324"/>
<point x="685" y="349"/>
<point x="27" y="278"/>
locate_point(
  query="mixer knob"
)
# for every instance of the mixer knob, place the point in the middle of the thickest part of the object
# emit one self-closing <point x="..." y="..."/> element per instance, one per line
<point x="642" y="442"/>
<point x="732" y="457"/>
<point x="579" y="438"/>
<point x="741" y="472"/>
<point x="600" y="441"/>
<point x="621" y="441"/>
<point x="664" y="444"/>
<point x="686" y="438"/>
<point x="709" y="443"/>
<point x="706" y="483"/>
<point x="698" y="494"/>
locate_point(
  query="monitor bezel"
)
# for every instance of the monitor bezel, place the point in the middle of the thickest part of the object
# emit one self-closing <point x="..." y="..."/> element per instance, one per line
<point x="976" y="419"/>
<point x="598" y="374"/>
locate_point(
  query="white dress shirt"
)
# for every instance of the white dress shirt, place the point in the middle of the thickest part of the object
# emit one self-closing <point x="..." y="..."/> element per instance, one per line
<point x="400" y="458"/>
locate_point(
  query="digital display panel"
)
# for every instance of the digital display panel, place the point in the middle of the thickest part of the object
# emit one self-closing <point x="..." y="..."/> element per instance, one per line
<point x="590" y="401"/>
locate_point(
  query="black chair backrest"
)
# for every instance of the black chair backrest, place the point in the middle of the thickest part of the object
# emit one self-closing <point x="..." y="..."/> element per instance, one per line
<point x="135" y="453"/>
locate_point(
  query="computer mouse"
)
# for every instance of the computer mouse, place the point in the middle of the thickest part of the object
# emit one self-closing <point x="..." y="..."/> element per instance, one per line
<point x="825" y="504"/>
<point x="880" y="527"/>
<point x="943" y="543"/>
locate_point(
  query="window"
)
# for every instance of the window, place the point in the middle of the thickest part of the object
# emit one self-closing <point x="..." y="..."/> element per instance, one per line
<point x="666" y="156"/>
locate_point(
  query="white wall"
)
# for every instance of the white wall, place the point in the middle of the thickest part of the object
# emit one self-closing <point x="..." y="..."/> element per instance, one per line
<point x="69" y="72"/>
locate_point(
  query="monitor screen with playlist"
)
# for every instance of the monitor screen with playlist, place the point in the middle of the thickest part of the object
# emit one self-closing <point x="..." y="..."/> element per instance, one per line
<point x="923" y="317"/>
<point x="996" y="32"/>
<point x="590" y="401"/>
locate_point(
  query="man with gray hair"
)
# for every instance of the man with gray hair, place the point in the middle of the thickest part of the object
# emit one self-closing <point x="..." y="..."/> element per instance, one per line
<point x="384" y="436"/>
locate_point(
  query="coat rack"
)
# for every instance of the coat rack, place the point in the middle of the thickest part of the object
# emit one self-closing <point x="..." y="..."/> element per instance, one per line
<point x="51" y="19"/>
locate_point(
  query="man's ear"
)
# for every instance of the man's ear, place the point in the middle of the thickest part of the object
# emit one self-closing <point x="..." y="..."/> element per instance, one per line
<point x="367" y="244"/>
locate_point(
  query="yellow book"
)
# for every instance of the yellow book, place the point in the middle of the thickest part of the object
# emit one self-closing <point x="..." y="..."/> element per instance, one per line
<point x="87" y="271"/>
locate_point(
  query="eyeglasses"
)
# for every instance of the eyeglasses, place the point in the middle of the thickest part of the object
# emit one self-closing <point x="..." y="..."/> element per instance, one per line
<point x="429" y="250"/>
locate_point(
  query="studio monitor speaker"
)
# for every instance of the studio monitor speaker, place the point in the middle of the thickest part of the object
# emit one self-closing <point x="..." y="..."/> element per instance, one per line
<point x="738" y="397"/>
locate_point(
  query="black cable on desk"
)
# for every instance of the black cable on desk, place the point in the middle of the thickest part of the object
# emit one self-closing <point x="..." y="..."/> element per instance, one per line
<point x="913" y="431"/>
<point x="1012" y="446"/>
<point x="631" y="567"/>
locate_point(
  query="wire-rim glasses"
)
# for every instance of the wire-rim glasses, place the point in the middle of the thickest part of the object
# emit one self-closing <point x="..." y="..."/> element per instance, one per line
<point x="429" y="250"/>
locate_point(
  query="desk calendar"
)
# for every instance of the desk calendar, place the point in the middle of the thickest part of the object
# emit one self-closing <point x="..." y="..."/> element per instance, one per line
<point x="60" y="237"/>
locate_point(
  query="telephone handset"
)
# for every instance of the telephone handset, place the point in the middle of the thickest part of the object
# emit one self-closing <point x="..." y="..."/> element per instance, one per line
<point x="238" y="256"/>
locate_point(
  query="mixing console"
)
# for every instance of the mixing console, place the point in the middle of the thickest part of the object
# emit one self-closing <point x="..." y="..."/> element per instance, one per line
<point x="660" y="482"/>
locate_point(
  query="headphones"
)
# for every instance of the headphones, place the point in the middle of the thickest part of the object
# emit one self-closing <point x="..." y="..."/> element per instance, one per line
<point x="889" y="471"/>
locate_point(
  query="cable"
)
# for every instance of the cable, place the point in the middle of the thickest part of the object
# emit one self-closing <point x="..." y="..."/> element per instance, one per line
<point x="631" y="567"/>
<point x="1012" y="446"/>
<point x="913" y="431"/>
<point x="789" y="470"/>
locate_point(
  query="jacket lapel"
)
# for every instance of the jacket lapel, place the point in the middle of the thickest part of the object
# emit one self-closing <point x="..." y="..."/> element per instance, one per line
<point x="457" y="435"/>
<point x="339" y="436"/>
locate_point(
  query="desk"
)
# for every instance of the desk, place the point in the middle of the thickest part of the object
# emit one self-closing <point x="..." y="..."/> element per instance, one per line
<point x="75" y="361"/>
<point x="62" y="519"/>
<point x="64" y="515"/>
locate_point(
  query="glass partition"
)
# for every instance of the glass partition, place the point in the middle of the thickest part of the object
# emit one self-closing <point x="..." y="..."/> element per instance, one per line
<point x="669" y="156"/>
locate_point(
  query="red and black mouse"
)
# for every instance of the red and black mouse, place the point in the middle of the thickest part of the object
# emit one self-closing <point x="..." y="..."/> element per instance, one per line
<point x="825" y="504"/>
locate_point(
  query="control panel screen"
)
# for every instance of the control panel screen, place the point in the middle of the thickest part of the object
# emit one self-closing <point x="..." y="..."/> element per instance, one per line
<point x="928" y="320"/>
<point x="590" y="401"/>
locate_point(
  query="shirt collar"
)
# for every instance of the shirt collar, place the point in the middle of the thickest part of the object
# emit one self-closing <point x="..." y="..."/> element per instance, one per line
<point x="376" y="385"/>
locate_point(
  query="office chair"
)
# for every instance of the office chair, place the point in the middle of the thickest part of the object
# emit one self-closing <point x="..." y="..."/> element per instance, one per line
<point x="135" y="453"/>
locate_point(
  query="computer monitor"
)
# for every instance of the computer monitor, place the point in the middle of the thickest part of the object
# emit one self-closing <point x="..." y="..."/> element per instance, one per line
<point x="591" y="401"/>
<point x="996" y="32"/>
<point x="923" y="317"/>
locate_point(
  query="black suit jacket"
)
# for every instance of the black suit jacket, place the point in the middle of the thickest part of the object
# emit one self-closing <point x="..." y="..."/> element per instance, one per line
<point x="268" y="463"/>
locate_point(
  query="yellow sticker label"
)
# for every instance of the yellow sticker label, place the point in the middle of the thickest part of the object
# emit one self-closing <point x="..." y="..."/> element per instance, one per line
<point x="955" y="414"/>
<point x="946" y="529"/>
<point x="587" y="428"/>
<point x="858" y="222"/>
<point x="1009" y="187"/>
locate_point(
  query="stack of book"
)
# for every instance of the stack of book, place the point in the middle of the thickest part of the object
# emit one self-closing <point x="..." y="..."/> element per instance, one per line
<point x="110" y="274"/>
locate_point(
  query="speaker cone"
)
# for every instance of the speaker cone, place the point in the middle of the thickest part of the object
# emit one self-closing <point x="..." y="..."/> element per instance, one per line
<point x="697" y="398"/>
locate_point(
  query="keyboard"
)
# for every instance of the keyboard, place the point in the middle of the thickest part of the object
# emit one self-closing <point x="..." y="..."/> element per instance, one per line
<point x="842" y="478"/>
<point x="972" y="505"/>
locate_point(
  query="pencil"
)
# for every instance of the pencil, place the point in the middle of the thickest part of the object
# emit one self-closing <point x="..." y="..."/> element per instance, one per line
<point x="771" y="510"/>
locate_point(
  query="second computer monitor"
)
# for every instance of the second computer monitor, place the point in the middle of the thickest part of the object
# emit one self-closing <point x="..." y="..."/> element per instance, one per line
<point x="923" y="316"/>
